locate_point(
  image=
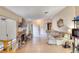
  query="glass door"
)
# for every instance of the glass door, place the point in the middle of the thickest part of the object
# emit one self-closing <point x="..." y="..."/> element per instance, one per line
<point x="11" y="29"/>
<point x="3" y="30"/>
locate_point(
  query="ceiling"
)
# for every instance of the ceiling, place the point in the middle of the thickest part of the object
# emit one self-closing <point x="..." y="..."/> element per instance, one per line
<point x="35" y="12"/>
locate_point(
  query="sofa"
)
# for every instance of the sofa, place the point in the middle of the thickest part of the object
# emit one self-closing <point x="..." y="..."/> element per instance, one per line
<point x="57" y="38"/>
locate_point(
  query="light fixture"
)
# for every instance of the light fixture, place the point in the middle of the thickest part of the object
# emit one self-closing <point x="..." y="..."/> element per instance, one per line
<point x="46" y="12"/>
<point x="3" y="18"/>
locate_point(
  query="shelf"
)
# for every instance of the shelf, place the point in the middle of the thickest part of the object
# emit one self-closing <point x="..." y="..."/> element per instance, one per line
<point x="75" y="20"/>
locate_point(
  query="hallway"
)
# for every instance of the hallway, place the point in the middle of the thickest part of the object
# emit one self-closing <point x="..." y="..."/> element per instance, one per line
<point x="41" y="46"/>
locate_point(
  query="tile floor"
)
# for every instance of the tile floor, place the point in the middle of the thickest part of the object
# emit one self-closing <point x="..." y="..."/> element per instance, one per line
<point x="37" y="45"/>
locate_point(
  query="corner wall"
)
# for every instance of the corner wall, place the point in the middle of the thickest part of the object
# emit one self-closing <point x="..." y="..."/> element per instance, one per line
<point x="77" y="10"/>
<point x="67" y="14"/>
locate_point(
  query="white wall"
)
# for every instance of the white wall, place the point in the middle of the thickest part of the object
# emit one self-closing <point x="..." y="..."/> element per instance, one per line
<point x="67" y="14"/>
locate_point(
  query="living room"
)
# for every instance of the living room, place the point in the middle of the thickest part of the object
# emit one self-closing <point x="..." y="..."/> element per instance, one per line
<point x="44" y="29"/>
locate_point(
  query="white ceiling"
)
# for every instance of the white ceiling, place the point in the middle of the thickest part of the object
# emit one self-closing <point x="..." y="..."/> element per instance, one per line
<point x="35" y="12"/>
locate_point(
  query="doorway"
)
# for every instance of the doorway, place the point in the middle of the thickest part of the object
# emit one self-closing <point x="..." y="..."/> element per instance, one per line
<point x="39" y="33"/>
